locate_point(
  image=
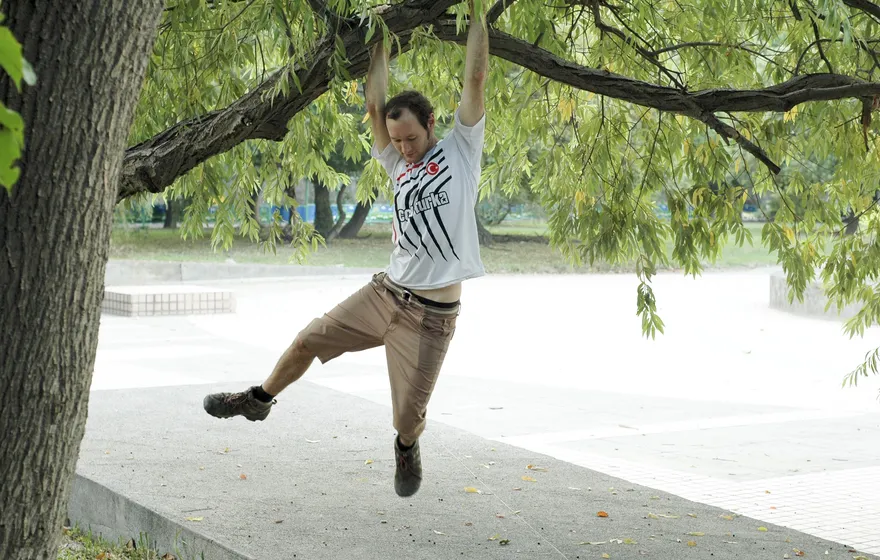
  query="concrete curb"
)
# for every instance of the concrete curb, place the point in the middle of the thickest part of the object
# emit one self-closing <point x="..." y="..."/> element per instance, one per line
<point x="116" y="518"/>
<point x="129" y="272"/>
<point x="813" y="304"/>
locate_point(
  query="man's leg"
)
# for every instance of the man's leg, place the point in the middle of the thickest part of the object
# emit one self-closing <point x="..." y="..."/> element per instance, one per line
<point x="415" y="351"/>
<point x="356" y="324"/>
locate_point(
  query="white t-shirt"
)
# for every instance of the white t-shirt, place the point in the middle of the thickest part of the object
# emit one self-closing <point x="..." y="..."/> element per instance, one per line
<point x="435" y="225"/>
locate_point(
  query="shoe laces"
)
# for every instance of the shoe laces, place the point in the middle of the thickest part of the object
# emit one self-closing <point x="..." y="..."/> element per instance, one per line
<point x="236" y="398"/>
<point x="402" y="461"/>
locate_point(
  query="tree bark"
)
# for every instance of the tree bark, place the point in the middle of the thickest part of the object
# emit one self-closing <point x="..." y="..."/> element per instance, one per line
<point x="90" y="57"/>
<point x="323" y="214"/>
<point x="354" y="225"/>
<point x="340" y="218"/>
<point x="483" y="234"/>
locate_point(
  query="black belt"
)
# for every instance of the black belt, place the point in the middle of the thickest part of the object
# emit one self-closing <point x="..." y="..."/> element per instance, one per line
<point x="407" y="295"/>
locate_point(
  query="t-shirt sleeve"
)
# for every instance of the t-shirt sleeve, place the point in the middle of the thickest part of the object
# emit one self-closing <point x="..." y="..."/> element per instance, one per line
<point x="470" y="140"/>
<point x="388" y="158"/>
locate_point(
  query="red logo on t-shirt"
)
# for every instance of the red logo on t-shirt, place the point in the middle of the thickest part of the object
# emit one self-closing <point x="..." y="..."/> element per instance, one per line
<point x="432" y="168"/>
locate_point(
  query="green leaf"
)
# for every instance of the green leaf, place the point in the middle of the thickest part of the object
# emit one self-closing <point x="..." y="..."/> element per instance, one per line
<point x="10" y="56"/>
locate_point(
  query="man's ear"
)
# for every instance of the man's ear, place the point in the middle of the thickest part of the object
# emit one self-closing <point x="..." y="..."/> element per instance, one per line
<point x="431" y="123"/>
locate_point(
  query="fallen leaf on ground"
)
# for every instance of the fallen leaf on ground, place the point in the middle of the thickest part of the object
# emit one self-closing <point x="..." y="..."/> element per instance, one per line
<point x="494" y="537"/>
<point x="573" y="488"/>
<point x="195" y="518"/>
<point x="517" y="511"/>
<point x="692" y="543"/>
<point x="499" y="516"/>
<point x="168" y="556"/>
<point x="504" y="542"/>
<point x="727" y="517"/>
<point x="592" y="543"/>
<point x="606" y="555"/>
<point x="785" y="557"/>
<point x="468" y="524"/>
<point x="629" y="541"/>
<point x="799" y="552"/>
<point x="665" y="516"/>
<point x="762" y="529"/>
<point x="242" y="476"/>
<point x="313" y="441"/>
<point x="279" y="521"/>
<point x="536" y="468"/>
<point x="616" y="541"/>
<point x="772" y="507"/>
<point x="860" y="558"/>
<point x="697" y="534"/>
<point x="226" y="450"/>
<point x="491" y="462"/>
<point x="472" y="490"/>
<point x="694" y="515"/>
<point x="368" y="462"/>
<point x="602" y="514"/>
<point x="436" y="532"/>
<point x="655" y="497"/>
<point x="517" y="488"/>
<point x="729" y="542"/>
<point x="766" y="491"/>
<point x="529" y="479"/>
<point x="101" y="556"/>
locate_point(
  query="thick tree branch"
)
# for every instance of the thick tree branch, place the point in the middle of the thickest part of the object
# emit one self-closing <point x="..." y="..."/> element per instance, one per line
<point x="700" y="105"/>
<point x="778" y="98"/>
<point x="154" y="164"/>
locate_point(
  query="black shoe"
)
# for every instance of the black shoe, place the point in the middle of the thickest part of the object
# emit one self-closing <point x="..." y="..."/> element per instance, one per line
<point x="227" y="405"/>
<point x="408" y="477"/>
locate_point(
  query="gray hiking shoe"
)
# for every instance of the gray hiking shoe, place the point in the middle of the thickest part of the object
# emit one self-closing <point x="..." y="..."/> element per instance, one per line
<point x="227" y="405"/>
<point x="408" y="477"/>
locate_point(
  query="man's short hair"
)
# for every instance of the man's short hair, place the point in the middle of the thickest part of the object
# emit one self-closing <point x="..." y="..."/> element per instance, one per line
<point x="417" y="103"/>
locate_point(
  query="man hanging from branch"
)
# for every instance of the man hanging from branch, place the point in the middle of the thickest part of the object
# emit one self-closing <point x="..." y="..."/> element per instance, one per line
<point x="411" y="308"/>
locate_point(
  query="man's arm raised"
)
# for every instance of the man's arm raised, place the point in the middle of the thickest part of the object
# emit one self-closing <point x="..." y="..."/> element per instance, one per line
<point x="476" y="69"/>
<point x="376" y="92"/>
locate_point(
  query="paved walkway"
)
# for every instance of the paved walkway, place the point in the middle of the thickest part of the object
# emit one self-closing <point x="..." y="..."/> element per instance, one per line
<point x="736" y="406"/>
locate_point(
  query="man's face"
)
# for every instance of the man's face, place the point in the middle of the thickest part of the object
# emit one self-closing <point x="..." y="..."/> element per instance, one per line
<point x="408" y="135"/>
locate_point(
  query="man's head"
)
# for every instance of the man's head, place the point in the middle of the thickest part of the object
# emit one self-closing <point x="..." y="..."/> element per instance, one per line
<point x="409" y="117"/>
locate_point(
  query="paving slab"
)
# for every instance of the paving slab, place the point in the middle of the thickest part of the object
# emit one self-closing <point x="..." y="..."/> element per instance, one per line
<point x="315" y="481"/>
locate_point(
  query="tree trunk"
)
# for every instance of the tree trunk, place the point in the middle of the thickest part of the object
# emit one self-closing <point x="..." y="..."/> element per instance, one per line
<point x="172" y="207"/>
<point x="90" y="57"/>
<point x="323" y="214"/>
<point x="354" y="225"/>
<point x="484" y="236"/>
<point x="340" y="219"/>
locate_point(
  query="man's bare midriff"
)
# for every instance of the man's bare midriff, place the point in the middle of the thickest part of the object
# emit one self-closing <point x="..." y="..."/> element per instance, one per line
<point x="447" y="294"/>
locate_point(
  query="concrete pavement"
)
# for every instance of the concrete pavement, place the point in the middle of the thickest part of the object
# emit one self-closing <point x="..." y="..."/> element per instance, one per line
<point x="737" y="406"/>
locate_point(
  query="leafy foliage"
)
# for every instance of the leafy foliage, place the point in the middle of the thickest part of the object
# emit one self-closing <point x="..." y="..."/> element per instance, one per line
<point x="11" y="123"/>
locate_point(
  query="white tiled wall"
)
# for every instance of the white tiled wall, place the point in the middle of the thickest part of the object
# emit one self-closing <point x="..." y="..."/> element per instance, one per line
<point x="149" y="304"/>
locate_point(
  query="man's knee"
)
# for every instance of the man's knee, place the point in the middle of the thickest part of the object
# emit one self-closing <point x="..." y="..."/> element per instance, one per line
<point x="300" y="349"/>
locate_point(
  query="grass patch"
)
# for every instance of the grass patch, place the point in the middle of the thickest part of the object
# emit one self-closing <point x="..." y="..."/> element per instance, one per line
<point x="77" y="545"/>
<point x="520" y="248"/>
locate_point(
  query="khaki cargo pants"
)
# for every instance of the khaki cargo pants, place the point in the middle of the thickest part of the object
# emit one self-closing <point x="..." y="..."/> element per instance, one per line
<point x="416" y="337"/>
